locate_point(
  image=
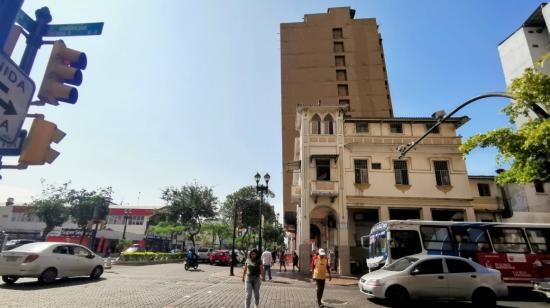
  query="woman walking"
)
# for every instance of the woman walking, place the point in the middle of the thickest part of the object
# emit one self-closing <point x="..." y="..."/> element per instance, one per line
<point x="282" y="260"/>
<point x="295" y="261"/>
<point x="320" y="269"/>
<point x="252" y="271"/>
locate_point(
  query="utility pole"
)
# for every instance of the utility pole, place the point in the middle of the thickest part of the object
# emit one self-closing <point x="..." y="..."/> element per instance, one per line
<point x="233" y="257"/>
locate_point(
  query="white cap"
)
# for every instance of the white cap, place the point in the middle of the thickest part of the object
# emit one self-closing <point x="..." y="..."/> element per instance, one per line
<point x="322" y="252"/>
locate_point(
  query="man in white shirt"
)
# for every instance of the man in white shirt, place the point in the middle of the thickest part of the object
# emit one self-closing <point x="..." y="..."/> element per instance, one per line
<point x="266" y="261"/>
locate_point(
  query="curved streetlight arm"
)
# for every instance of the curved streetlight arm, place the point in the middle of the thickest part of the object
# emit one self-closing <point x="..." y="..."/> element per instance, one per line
<point x="405" y="148"/>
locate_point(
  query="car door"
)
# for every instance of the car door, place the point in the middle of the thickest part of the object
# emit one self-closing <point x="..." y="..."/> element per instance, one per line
<point x="84" y="264"/>
<point x="463" y="278"/>
<point x="427" y="280"/>
<point x="63" y="260"/>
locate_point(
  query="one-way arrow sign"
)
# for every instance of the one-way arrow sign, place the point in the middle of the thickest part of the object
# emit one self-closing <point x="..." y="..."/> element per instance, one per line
<point x="16" y="92"/>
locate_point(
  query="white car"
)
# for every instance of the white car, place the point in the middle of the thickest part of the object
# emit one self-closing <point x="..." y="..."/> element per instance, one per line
<point x="435" y="277"/>
<point x="48" y="261"/>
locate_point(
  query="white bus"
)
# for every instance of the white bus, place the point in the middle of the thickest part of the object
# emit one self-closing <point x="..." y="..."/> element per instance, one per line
<point x="520" y="251"/>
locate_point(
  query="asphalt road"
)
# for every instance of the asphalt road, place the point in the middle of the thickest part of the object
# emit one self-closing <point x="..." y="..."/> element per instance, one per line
<point x="169" y="285"/>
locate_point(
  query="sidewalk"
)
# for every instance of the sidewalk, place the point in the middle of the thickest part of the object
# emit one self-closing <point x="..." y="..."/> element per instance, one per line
<point x="290" y="277"/>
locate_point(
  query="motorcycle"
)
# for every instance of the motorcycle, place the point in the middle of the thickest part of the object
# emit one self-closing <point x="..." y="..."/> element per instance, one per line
<point x="191" y="264"/>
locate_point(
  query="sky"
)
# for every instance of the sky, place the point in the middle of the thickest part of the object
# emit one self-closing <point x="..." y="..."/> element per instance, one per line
<point x="183" y="91"/>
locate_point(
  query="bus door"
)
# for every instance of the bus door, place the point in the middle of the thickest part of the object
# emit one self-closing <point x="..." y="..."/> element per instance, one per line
<point x="511" y="255"/>
<point x="470" y="241"/>
<point x="404" y="243"/>
<point x="539" y="239"/>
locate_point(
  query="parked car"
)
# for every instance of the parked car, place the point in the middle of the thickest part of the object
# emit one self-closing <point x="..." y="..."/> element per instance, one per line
<point x="11" y="244"/>
<point x="221" y="257"/>
<point x="204" y="254"/>
<point x="134" y="248"/>
<point x="437" y="277"/>
<point x="48" y="261"/>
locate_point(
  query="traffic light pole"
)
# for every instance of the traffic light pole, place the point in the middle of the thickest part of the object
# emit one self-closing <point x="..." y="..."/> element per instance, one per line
<point x="34" y="41"/>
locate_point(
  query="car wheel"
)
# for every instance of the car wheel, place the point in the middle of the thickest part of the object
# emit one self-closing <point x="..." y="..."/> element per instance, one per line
<point x="397" y="296"/>
<point x="9" y="279"/>
<point x="484" y="297"/>
<point x="96" y="273"/>
<point x="48" y="276"/>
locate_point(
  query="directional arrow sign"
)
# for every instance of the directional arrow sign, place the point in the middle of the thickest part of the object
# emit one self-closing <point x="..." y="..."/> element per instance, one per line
<point x="94" y="28"/>
<point x="16" y="92"/>
<point x="13" y="149"/>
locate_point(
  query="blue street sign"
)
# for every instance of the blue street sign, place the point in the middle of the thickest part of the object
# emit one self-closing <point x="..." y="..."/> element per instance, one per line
<point x="13" y="149"/>
<point x="94" y="28"/>
<point x="25" y="21"/>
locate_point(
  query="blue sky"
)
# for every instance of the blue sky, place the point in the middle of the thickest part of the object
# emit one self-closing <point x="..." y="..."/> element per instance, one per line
<point x="178" y="91"/>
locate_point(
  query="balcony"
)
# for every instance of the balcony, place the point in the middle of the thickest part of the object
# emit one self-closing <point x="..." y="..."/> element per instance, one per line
<point x="324" y="189"/>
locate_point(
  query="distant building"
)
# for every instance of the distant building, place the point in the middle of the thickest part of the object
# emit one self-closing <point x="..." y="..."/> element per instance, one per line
<point x="521" y="50"/>
<point x="329" y="59"/>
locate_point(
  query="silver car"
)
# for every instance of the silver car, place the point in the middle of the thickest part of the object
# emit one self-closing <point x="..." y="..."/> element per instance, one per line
<point x="435" y="277"/>
<point x="48" y="261"/>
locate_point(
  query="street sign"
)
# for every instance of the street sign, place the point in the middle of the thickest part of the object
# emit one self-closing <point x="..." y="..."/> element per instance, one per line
<point x="25" y="21"/>
<point x="16" y="92"/>
<point x="94" y="28"/>
<point x="13" y="149"/>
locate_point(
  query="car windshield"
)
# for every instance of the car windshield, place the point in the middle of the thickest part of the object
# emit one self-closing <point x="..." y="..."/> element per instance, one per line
<point x="33" y="247"/>
<point x="401" y="264"/>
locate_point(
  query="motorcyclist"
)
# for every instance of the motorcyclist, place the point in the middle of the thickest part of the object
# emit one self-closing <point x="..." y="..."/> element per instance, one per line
<point x="191" y="256"/>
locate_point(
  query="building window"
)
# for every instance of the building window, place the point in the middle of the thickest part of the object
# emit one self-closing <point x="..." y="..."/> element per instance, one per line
<point x="447" y="215"/>
<point x="340" y="61"/>
<point x="337" y="33"/>
<point x="361" y="127"/>
<point x="401" y="172"/>
<point x="484" y="190"/>
<point x="429" y="125"/>
<point x="343" y="90"/>
<point x="315" y="125"/>
<point x="343" y="102"/>
<point x="328" y="125"/>
<point x="539" y="186"/>
<point x="396" y="128"/>
<point x="323" y="169"/>
<point x="442" y="177"/>
<point x="376" y="166"/>
<point x="341" y="75"/>
<point x="135" y="220"/>
<point x="338" y="46"/>
<point x="361" y="171"/>
<point x="404" y="214"/>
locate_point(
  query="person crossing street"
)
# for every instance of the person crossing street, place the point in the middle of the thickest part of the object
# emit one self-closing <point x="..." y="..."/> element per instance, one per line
<point x="320" y="268"/>
<point x="266" y="260"/>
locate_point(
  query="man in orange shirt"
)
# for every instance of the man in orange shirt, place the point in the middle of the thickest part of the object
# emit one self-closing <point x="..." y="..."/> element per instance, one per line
<point x="320" y="268"/>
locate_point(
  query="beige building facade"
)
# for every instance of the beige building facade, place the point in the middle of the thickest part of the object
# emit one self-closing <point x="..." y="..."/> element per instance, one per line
<point x="348" y="176"/>
<point x="329" y="59"/>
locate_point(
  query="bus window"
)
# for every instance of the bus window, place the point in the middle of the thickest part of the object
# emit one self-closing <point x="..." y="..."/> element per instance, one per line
<point x="404" y="243"/>
<point x="539" y="239"/>
<point x="377" y="245"/>
<point x="471" y="239"/>
<point x="436" y="238"/>
<point x="508" y="240"/>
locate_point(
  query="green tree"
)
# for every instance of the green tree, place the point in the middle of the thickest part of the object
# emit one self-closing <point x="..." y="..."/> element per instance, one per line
<point x="51" y="207"/>
<point x="190" y="205"/>
<point x="273" y="235"/>
<point x="526" y="149"/>
<point x="248" y="201"/>
<point x="167" y="228"/>
<point x="83" y="203"/>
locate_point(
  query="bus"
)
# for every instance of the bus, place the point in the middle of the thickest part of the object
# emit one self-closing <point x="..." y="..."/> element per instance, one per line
<point x="521" y="252"/>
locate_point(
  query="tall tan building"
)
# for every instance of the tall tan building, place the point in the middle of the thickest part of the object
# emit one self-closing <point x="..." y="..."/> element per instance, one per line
<point x="329" y="59"/>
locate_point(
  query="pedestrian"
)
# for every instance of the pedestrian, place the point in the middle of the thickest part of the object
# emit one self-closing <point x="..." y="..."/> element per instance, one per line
<point x="252" y="271"/>
<point x="295" y="261"/>
<point x="273" y="256"/>
<point x="282" y="260"/>
<point x="266" y="261"/>
<point x="320" y="270"/>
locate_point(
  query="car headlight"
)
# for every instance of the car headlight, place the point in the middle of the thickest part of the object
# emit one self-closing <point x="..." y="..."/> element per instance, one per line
<point x="375" y="282"/>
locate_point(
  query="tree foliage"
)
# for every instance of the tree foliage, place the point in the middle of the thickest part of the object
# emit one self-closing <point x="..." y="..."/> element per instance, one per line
<point x="189" y="206"/>
<point x="526" y="149"/>
<point x="51" y="207"/>
<point x="248" y="201"/>
<point x="84" y="202"/>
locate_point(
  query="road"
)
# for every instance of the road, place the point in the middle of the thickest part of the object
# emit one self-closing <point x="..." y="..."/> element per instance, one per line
<point x="169" y="285"/>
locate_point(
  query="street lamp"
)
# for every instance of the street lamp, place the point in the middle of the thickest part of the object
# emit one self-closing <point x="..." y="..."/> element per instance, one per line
<point x="262" y="189"/>
<point x="440" y="117"/>
<point x="127" y="214"/>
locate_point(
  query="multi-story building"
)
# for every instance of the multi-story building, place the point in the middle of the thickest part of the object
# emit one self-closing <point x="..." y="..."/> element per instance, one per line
<point x="521" y="50"/>
<point x="348" y="176"/>
<point x="329" y="59"/>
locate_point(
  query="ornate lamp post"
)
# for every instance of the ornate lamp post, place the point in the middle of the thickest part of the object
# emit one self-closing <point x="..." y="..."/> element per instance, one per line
<point x="262" y="189"/>
<point x="127" y="214"/>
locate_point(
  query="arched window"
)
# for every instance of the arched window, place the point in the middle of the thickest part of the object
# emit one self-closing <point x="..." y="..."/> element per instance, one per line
<point x="315" y="125"/>
<point x="328" y="124"/>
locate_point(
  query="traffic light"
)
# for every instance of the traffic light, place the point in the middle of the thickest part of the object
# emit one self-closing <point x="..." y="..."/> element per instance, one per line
<point x="36" y="150"/>
<point x="64" y="67"/>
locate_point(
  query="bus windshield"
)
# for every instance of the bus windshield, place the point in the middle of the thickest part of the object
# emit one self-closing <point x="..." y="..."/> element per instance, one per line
<point x="377" y="245"/>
